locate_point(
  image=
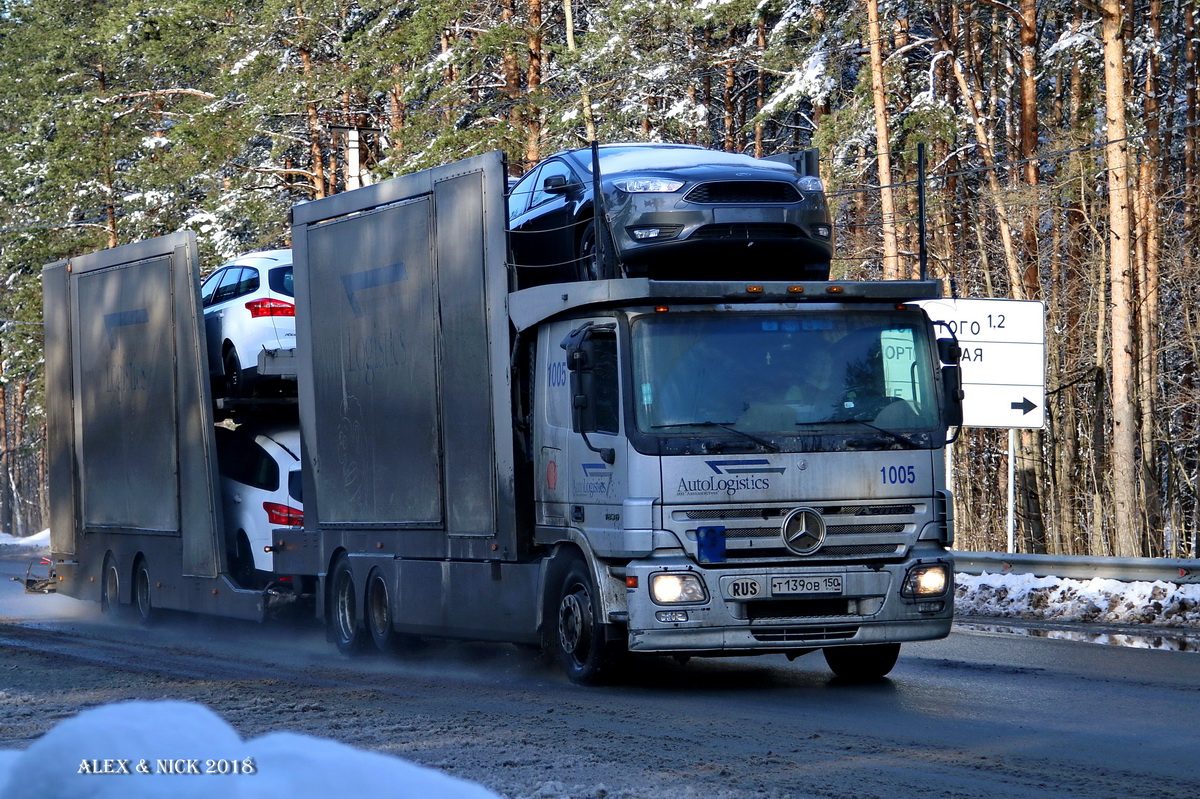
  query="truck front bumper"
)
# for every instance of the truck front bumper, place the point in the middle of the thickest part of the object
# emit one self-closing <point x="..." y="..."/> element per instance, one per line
<point x="785" y="608"/>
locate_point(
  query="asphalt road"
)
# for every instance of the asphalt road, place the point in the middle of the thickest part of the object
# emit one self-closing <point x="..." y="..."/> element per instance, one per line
<point x="979" y="714"/>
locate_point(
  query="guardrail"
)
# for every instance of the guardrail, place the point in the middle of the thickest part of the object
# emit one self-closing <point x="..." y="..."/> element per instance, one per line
<point x="1079" y="567"/>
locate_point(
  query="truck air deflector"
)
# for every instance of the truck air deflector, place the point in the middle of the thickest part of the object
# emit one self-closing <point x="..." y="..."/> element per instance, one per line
<point x="530" y="306"/>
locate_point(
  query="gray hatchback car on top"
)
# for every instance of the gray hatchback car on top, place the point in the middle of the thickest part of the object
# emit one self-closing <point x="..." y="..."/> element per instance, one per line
<point x="674" y="212"/>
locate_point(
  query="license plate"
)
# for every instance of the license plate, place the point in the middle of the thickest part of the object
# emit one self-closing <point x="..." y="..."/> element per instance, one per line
<point x="733" y="215"/>
<point x="807" y="584"/>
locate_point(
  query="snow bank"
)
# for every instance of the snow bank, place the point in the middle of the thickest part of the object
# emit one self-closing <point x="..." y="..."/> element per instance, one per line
<point x="42" y="539"/>
<point x="139" y="750"/>
<point x="1061" y="599"/>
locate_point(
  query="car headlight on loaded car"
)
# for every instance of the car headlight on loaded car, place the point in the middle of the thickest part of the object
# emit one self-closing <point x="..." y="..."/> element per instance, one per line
<point x="926" y="580"/>
<point x="674" y="587"/>
<point x="648" y="185"/>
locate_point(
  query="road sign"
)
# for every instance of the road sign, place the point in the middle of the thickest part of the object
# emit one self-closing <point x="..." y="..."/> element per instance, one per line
<point x="1004" y="359"/>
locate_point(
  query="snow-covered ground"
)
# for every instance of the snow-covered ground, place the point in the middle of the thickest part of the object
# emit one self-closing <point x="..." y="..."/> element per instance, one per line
<point x="139" y="750"/>
<point x="135" y="750"/>
<point x="1023" y="596"/>
<point x="146" y="750"/>
<point x="42" y="539"/>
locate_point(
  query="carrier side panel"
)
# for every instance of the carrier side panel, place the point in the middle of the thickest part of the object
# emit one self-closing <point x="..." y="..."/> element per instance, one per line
<point x="125" y="421"/>
<point x="60" y="428"/>
<point x="402" y="332"/>
<point x="371" y="325"/>
<point x="466" y="370"/>
<point x="126" y="363"/>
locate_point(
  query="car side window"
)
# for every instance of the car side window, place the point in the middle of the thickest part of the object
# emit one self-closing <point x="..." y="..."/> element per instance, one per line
<point x="518" y="198"/>
<point x="281" y="281"/>
<point x="550" y="169"/>
<point x="227" y="286"/>
<point x="247" y="283"/>
<point x="209" y="288"/>
<point x="245" y="461"/>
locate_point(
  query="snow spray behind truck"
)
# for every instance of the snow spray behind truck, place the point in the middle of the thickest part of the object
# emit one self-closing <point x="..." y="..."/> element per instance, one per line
<point x="620" y="466"/>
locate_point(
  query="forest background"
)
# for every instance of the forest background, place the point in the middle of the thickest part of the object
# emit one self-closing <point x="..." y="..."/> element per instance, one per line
<point x="1061" y="139"/>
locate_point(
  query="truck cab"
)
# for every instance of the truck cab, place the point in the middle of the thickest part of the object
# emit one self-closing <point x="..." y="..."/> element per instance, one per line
<point x="755" y="474"/>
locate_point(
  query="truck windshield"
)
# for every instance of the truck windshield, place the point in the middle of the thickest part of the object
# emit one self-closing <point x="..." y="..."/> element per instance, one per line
<point x="784" y="374"/>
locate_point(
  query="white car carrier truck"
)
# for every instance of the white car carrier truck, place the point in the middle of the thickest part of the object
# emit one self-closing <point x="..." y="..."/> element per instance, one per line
<point x="602" y="468"/>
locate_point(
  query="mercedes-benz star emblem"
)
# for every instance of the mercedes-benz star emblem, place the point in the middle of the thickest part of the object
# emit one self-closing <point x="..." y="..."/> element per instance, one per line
<point x="803" y="531"/>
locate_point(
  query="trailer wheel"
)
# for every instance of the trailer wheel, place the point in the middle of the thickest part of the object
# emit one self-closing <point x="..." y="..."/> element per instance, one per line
<point x="379" y="613"/>
<point x="141" y="593"/>
<point x="344" y="619"/>
<point x="579" y="643"/>
<point x="110" y="589"/>
<point x="862" y="663"/>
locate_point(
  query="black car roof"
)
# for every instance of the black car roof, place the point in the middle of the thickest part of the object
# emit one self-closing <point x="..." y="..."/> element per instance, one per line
<point x="637" y="156"/>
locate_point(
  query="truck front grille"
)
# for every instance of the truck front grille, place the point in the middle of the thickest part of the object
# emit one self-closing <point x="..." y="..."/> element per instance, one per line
<point x="800" y="635"/>
<point x="854" y="531"/>
<point x="824" y="553"/>
<point x="779" y="513"/>
<point x="798" y="609"/>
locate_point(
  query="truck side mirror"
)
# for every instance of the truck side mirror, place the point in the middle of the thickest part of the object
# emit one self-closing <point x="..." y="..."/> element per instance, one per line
<point x="952" y="393"/>
<point x="949" y="350"/>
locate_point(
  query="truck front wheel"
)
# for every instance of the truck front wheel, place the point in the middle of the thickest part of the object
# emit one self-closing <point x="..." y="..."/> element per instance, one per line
<point x="579" y="638"/>
<point x="344" y="619"/>
<point x="862" y="663"/>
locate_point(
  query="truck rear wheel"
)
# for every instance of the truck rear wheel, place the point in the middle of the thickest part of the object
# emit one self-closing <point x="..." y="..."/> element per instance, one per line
<point x="344" y="619"/>
<point x="862" y="663"/>
<point x="579" y="638"/>
<point x="141" y="593"/>
<point x="110" y="589"/>
<point x="379" y="613"/>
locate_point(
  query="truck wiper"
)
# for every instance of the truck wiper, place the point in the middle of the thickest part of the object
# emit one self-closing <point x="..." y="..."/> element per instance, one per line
<point x="903" y="439"/>
<point x="762" y="442"/>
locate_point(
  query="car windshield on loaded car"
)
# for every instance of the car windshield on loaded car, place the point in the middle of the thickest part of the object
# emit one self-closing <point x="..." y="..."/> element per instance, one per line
<point x="674" y="212"/>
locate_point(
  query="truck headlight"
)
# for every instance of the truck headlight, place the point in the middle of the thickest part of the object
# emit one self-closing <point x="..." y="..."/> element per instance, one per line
<point x="926" y="580"/>
<point x="672" y="587"/>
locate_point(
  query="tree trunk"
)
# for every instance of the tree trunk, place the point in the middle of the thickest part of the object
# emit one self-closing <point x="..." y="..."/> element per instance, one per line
<point x="760" y="88"/>
<point x="972" y="99"/>
<point x="1149" y="194"/>
<point x="1126" y="518"/>
<point x="883" y="157"/>
<point x="585" y="97"/>
<point x="533" y="79"/>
